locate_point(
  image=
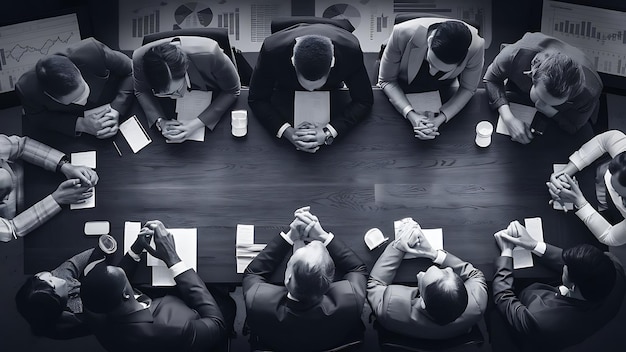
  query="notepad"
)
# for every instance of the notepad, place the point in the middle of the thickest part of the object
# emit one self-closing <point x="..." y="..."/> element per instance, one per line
<point x="426" y="101"/>
<point x="523" y="113"/>
<point x="557" y="205"/>
<point x="523" y="258"/>
<point x="87" y="159"/>
<point x="245" y="248"/>
<point x="192" y="104"/>
<point x="135" y="134"/>
<point x="311" y="107"/>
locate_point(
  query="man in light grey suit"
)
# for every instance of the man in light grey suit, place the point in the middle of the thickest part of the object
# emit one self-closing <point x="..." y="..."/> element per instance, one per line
<point x="448" y="300"/>
<point x="426" y="54"/>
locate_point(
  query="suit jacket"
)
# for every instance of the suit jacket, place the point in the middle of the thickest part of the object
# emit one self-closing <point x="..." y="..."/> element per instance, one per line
<point x="396" y="308"/>
<point x="515" y="59"/>
<point x="542" y="316"/>
<point x="12" y="224"/>
<point x="288" y="325"/>
<point x="193" y="323"/>
<point x="108" y="74"/>
<point x="209" y="70"/>
<point x="274" y="71"/>
<point x="403" y="56"/>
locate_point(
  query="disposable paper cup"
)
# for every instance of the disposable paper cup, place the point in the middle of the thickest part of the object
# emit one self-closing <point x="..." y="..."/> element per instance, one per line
<point x="374" y="238"/>
<point x="239" y="123"/>
<point x="484" y="129"/>
<point x="107" y="244"/>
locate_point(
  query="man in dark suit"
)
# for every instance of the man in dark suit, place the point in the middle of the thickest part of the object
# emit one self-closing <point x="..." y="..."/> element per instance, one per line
<point x="311" y="312"/>
<point x="310" y="57"/>
<point x="123" y="320"/>
<point x="550" y="318"/>
<point x="62" y="86"/>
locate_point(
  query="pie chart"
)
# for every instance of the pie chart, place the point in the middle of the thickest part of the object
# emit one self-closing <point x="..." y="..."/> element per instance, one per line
<point x="193" y="15"/>
<point x="343" y="11"/>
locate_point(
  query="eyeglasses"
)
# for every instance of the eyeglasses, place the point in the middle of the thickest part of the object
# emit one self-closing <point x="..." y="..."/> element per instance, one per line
<point x="176" y="93"/>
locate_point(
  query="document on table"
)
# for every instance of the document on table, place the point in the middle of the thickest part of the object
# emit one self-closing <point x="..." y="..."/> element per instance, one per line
<point x="521" y="112"/>
<point x="189" y="107"/>
<point x="523" y="258"/>
<point x="135" y="134"/>
<point x="87" y="159"/>
<point x="426" y="101"/>
<point x="557" y="205"/>
<point x="434" y="236"/>
<point x="312" y="107"/>
<point x="245" y="248"/>
<point x="97" y="111"/>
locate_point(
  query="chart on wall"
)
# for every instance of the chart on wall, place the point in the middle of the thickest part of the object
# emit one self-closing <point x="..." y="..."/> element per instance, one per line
<point x="373" y="19"/>
<point x="599" y="33"/>
<point x="247" y="21"/>
<point x="23" y="44"/>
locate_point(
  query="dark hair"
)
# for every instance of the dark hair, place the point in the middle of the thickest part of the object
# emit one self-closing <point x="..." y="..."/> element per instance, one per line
<point x="161" y="60"/>
<point x="451" y="41"/>
<point x="57" y="75"/>
<point x="102" y="288"/>
<point x="39" y="304"/>
<point x="313" y="277"/>
<point x="562" y="76"/>
<point x="617" y="167"/>
<point x="312" y="56"/>
<point x="446" y="299"/>
<point x="592" y="271"/>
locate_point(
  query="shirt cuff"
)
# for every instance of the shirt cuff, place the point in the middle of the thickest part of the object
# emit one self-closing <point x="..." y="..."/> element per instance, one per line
<point x="508" y="252"/>
<point x="441" y="256"/>
<point x="282" y="129"/>
<point x="586" y="211"/>
<point x="179" y="268"/>
<point x="286" y="238"/>
<point x="133" y="255"/>
<point x="406" y="110"/>
<point x="540" y="249"/>
<point x="332" y="130"/>
<point x="330" y="238"/>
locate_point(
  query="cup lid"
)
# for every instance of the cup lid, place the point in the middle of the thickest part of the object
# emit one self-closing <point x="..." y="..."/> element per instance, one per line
<point x="239" y="131"/>
<point x="374" y="238"/>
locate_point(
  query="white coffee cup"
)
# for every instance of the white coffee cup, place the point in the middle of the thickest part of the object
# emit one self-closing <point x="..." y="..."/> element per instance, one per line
<point x="239" y="122"/>
<point x="484" y="129"/>
<point x="374" y="238"/>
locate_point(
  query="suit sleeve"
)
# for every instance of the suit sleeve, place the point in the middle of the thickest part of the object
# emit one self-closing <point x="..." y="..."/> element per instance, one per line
<point x="260" y="94"/>
<point x="388" y="73"/>
<point x="265" y="263"/>
<point x="474" y="279"/>
<point x="74" y="266"/>
<point x="148" y="102"/>
<point x="508" y="304"/>
<point x="356" y="271"/>
<point x="225" y="74"/>
<point x="382" y="275"/>
<point x="120" y="66"/>
<point x="361" y="95"/>
<point x="496" y="74"/>
<point x="203" y="333"/>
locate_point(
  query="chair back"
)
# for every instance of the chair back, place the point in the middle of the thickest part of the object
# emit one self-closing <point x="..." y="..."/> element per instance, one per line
<point x="220" y="35"/>
<point x="391" y="341"/>
<point x="280" y="23"/>
<point x="403" y="17"/>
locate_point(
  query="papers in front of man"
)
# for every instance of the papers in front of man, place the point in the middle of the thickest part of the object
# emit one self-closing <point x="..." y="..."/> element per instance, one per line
<point x="186" y="241"/>
<point x="426" y="101"/>
<point x="189" y="107"/>
<point x="311" y="107"/>
<point x="245" y="248"/>
<point x="135" y="134"/>
<point x="87" y="159"/>
<point x="434" y="236"/>
<point x="557" y="205"/>
<point x="523" y="258"/>
<point x="523" y="113"/>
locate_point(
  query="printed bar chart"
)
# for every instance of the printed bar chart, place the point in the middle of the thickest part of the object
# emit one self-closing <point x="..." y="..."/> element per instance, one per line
<point x="599" y="33"/>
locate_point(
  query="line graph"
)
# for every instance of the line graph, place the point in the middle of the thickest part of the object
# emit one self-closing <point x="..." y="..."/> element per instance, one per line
<point x="23" y="44"/>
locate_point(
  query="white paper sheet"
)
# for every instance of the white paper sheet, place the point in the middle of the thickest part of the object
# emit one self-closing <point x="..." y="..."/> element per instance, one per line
<point x="245" y="236"/>
<point x="189" y="107"/>
<point x="523" y="258"/>
<point x="426" y="101"/>
<point x="434" y="236"/>
<point x="131" y="230"/>
<point x="521" y="112"/>
<point x="312" y="107"/>
<point x="557" y="205"/>
<point x="97" y="111"/>
<point x="87" y="159"/>
<point x="135" y="134"/>
<point x="187" y="248"/>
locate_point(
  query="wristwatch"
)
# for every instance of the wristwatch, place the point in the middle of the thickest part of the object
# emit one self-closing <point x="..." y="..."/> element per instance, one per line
<point x="64" y="160"/>
<point x="329" y="136"/>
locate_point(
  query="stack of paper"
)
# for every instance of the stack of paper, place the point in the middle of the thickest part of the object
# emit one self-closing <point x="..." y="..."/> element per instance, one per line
<point x="523" y="113"/>
<point x="87" y="159"/>
<point x="189" y="107"/>
<point x="523" y="258"/>
<point x="311" y="107"/>
<point x="245" y="248"/>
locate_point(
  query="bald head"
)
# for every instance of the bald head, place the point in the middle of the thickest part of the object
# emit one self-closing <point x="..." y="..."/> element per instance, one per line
<point x="6" y="183"/>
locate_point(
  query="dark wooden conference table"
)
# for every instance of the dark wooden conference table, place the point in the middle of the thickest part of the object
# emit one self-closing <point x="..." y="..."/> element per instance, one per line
<point x="376" y="174"/>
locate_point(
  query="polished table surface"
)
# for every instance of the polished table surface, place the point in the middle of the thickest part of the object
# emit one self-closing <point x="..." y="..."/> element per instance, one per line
<point x="376" y="174"/>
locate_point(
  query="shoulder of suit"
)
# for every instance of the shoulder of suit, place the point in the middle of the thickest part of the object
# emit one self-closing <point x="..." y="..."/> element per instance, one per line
<point x="287" y="37"/>
<point x="196" y="45"/>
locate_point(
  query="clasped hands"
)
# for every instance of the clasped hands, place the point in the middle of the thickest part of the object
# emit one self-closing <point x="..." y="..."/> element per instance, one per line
<point x="79" y="184"/>
<point x="306" y="137"/>
<point x="412" y="242"/>
<point x="514" y="235"/>
<point x="565" y="189"/>
<point x="306" y="227"/>
<point x="425" y="123"/>
<point x="104" y="124"/>
<point x="178" y="131"/>
<point x="164" y="245"/>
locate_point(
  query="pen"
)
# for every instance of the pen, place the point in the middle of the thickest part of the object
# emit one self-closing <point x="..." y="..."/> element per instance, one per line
<point x="117" y="149"/>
